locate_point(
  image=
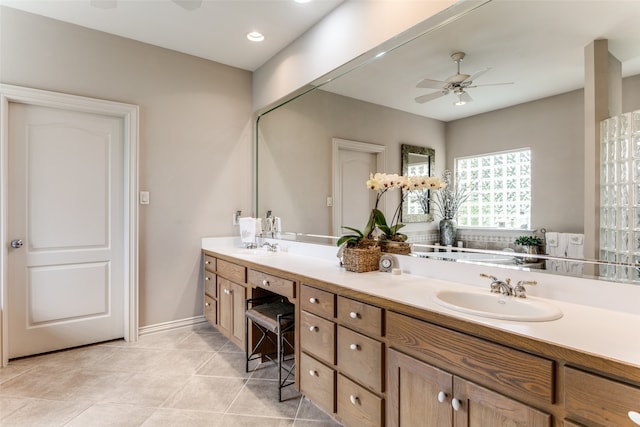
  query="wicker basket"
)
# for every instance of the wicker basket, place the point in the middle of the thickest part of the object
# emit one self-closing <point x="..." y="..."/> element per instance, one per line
<point x="361" y="260"/>
<point x="399" y="248"/>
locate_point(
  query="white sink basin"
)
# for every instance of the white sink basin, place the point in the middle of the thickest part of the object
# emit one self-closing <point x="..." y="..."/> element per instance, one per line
<point x="257" y="252"/>
<point x="497" y="306"/>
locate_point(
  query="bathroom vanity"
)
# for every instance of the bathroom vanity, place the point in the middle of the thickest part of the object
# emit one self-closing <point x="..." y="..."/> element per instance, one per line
<point x="374" y="349"/>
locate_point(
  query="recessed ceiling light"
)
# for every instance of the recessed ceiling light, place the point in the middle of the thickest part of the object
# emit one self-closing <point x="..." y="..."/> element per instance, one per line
<point x="255" y="36"/>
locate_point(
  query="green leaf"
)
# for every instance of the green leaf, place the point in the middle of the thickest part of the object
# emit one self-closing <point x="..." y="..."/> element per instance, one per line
<point x="360" y="234"/>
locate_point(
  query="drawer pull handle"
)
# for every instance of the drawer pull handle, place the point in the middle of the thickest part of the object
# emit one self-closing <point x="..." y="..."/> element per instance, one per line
<point x="354" y="399"/>
<point x="313" y="300"/>
<point x="353" y="315"/>
<point x="228" y="291"/>
<point x="313" y="373"/>
<point x="442" y="397"/>
<point x="635" y="417"/>
<point x="207" y="278"/>
<point x="207" y="262"/>
<point x="265" y="282"/>
<point x="354" y="347"/>
<point x="313" y="328"/>
<point x="456" y="404"/>
<point x="206" y="304"/>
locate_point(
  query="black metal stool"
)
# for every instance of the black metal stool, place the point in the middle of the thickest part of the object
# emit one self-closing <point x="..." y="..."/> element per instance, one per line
<point x="276" y="315"/>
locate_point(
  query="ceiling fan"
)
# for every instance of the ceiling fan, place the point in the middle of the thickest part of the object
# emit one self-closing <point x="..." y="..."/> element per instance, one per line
<point x="456" y="84"/>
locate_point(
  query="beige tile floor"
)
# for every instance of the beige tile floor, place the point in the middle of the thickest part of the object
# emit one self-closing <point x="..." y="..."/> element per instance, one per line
<point x="184" y="377"/>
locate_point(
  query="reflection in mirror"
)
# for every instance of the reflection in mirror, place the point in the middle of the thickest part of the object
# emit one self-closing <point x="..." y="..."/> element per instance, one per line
<point x="543" y="109"/>
<point x="417" y="161"/>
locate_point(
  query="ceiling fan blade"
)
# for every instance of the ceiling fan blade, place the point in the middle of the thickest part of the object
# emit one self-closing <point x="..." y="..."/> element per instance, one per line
<point x="188" y="4"/>
<point x="430" y="97"/>
<point x="478" y="74"/>
<point x="431" y="84"/>
<point x="490" y="84"/>
<point x="465" y="97"/>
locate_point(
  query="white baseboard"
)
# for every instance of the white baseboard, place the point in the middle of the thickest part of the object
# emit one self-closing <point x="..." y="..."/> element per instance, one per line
<point x="174" y="324"/>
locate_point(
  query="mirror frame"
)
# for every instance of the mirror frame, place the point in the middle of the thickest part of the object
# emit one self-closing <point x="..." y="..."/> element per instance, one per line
<point x="407" y="150"/>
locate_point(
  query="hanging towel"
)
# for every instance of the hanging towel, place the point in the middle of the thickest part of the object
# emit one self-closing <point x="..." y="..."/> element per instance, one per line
<point x="247" y="229"/>
<point x="553" y="248"/>
<point x="575" y="249"/>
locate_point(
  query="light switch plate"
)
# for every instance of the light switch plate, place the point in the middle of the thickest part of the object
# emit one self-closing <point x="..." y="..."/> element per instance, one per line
<point x="144" y="197"/>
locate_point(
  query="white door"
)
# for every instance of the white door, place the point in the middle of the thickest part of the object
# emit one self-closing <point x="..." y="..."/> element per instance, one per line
<point x="66" y="192"/>
<point x="353" y="163"/>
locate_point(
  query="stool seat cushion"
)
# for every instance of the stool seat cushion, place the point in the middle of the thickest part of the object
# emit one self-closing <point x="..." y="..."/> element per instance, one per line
<point x="266" y="315"/>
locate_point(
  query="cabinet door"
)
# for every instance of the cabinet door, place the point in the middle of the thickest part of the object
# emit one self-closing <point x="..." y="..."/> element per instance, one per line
<point x="414" y="391"/>
<point x="225" y="307"/>
<point x="480" y="407"/>
<point x="239" y="295"/>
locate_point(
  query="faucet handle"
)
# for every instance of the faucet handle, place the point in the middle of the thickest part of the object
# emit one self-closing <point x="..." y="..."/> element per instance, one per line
<point x="520" y="291"/>
<point x="488" y="276"/>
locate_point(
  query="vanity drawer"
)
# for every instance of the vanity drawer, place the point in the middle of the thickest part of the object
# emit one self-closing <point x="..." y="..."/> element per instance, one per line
<point x="597" y="401"/>
<point x="317" y="382"/>
<point x="278" y="285"/>
<point x="360" y="357"/>
<point x="319" y="302"/>
<point x="360" y="316"/>
<point x="209" y="263"/>
<point x="357" y="406"/>
<point x="501" y="368"/>
<point x="210" y="287"/>
<point x="318" y="336"/>
<point x="234" y="272"/>
<point x="210" y="310"/>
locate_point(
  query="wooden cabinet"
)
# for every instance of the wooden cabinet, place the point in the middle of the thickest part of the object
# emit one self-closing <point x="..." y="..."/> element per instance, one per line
<point x="428" y="396"/>
<point x="341" y="345"/>
<point x="225" y="293"/>
<point x="595" y="401"/>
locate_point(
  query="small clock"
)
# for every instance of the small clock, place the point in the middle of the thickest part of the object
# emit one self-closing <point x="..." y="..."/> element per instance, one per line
<point x="387" y="263"/>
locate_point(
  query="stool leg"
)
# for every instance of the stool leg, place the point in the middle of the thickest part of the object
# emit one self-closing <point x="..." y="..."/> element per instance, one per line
<point x="279" y="358"/>
<point x="246" y="344"/>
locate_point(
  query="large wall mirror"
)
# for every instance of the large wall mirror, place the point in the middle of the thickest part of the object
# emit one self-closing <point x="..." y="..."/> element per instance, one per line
<point x="417" y="161"/>
<point x="527" y="92"/>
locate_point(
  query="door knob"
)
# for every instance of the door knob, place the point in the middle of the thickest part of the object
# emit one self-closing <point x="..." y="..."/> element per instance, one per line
<point x="17" y="243"/>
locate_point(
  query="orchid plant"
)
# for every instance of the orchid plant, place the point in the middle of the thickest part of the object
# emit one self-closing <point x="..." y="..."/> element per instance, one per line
<point x="382" y="183"/>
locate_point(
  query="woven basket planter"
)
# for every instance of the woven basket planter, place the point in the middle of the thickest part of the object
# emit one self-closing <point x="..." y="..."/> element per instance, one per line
<point x="399" y="248"/>
<point x="361" y="260"/>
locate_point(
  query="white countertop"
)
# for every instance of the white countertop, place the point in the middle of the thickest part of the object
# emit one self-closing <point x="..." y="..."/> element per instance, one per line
<point x="600" y="331"/>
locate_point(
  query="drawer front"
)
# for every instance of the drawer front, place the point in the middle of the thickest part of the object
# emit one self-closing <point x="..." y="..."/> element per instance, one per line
<point x="598" y="401"/>
<point x="209" y="263"/>
<point x="317" y="337"/>
<point x="234" y="272"/>
<point x="361" y="358"/>
<point x="210" y="310"/>
<point x="278" y="285"/>
<point x="317" y="382"/>
<point x="506" y="370"/>
<point x="210" y="284"/>
<point x="357" y="406"/>
<point x="360" y="316"/>
<point x="318" y="302"/>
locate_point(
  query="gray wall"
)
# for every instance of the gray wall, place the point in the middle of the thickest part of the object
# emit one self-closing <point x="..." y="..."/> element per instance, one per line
<point x="195" y="139"/>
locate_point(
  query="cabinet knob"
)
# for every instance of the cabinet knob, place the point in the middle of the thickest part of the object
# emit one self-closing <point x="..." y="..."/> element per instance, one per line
<point x="635" y="417"/>
<point x="206" y="304"/>
<point x="353" y="315"/>
<point x="207" y="278"/>
<point x="442" y="397"/>
<point x="265" y="282"/>
<point x="354" y="347"/>
<point x="313" y="300"/>
<point x="313" y="373"/>
<point x="354" y="399"/>
<point x="313" y="328"/>
<point x="456" y="404"/>
<point x="207" y="262"/>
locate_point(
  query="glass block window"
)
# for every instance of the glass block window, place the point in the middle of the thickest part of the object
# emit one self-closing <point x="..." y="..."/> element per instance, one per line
<point x="500" y="189"/>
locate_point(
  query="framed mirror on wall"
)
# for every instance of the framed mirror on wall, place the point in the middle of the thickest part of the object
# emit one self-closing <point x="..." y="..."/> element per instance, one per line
<point x="417" y="161"/>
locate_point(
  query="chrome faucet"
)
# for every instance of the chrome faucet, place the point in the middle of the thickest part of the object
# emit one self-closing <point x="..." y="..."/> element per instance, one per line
<point x="271" y="247"/>
<point x="499" y="286"/>
<point x="520" y="291"/>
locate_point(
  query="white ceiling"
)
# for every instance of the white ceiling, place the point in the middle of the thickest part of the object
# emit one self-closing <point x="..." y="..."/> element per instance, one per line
<point x="213" y="29"/>
<point x="536" y="44"/>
